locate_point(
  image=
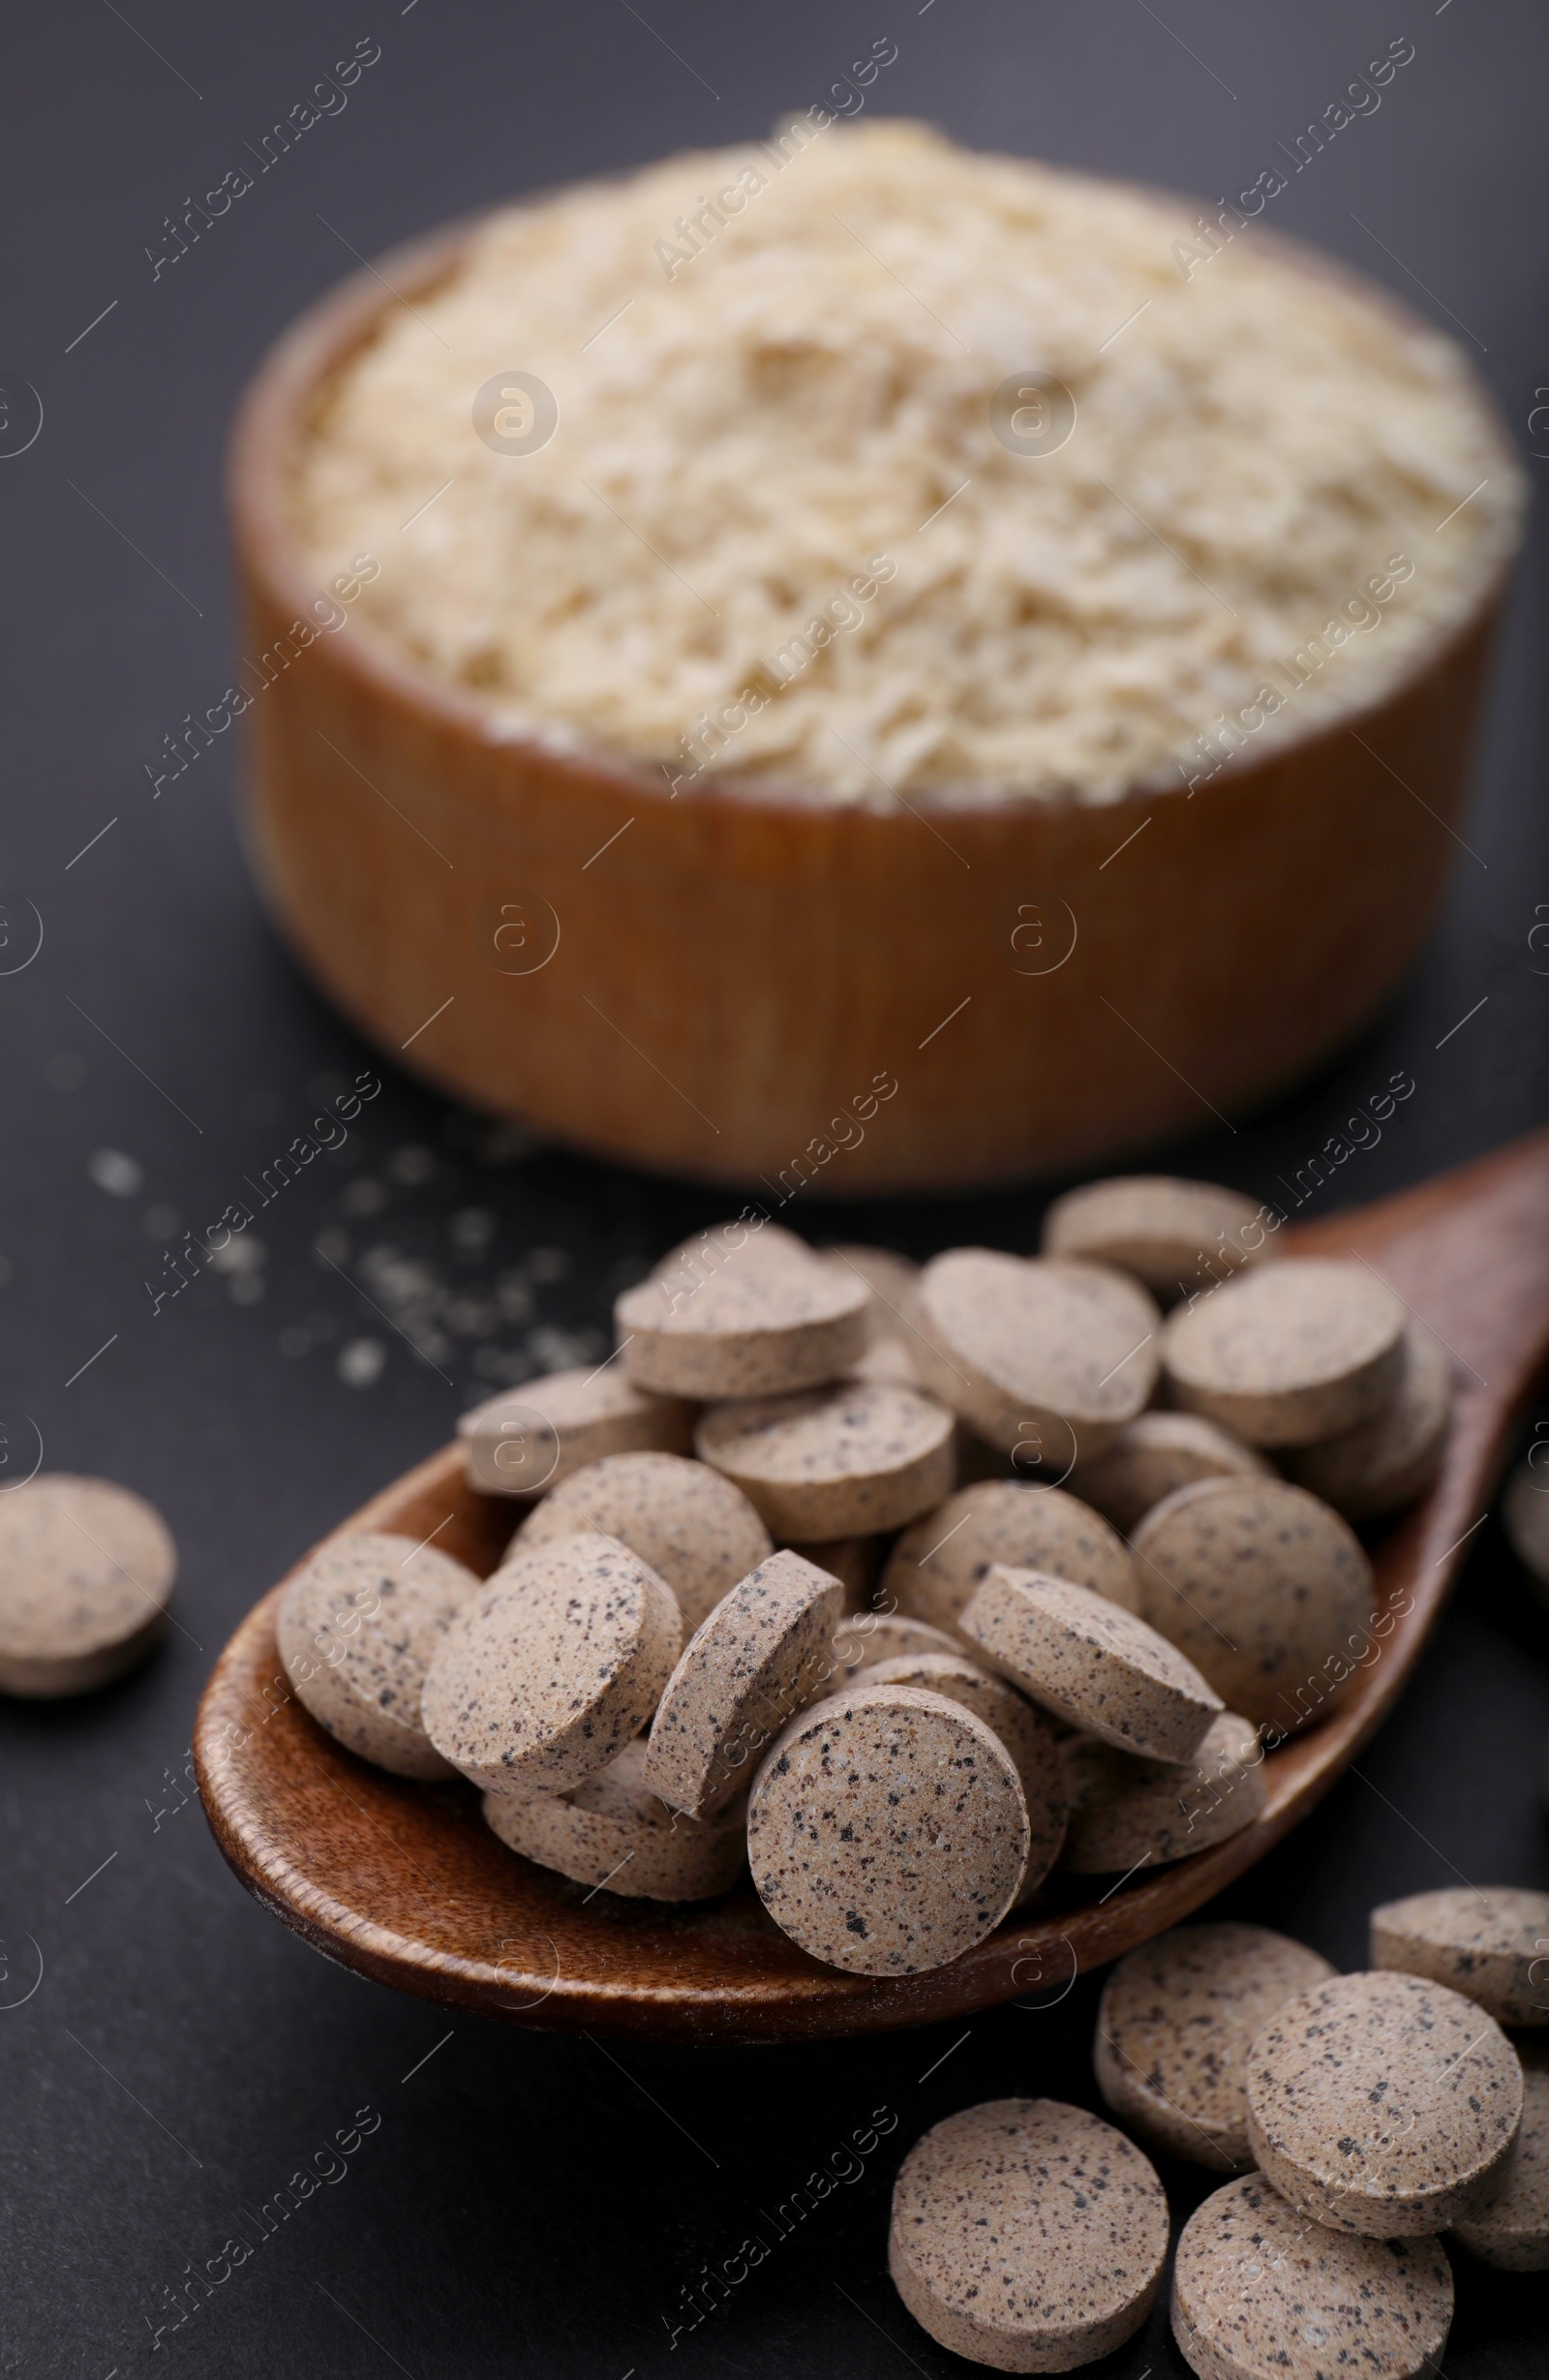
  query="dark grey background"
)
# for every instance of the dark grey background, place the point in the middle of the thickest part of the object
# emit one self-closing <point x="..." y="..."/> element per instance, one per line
<point x="527" y="2203"/>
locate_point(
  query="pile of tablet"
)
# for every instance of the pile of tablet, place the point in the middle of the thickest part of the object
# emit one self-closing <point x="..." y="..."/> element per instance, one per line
<point x="750" y="1613"/>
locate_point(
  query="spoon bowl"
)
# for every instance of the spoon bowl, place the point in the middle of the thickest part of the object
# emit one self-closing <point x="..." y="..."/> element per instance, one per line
<point x="405" y="1882"/>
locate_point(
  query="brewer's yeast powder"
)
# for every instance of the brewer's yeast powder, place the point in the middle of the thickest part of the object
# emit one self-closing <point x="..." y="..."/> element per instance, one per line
<point x="774" y="365"/>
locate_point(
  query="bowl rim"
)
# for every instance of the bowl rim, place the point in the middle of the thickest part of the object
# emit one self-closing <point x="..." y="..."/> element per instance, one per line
<point x="271" y="421"/>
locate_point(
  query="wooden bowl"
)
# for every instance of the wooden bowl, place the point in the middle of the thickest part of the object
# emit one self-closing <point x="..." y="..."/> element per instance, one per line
<point x="721" y="989"/>
<point x="406" y="1883"/>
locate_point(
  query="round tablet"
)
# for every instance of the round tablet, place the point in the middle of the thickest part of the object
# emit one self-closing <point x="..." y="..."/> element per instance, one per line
<point x="1513" y="2233"/>
<point x="888" y="1275"/>
<point x="1027" y="2235"/>
<point x="1155" y="1453"/>
<point x="1259" y="2293"/>
<point x="531" y="1438"/>
<point x="555" y="1666"/>
<point x="1265" y="1589"/>
<point x="1129" y="1813"/>
<point x="937" y="1565"/>
<point x="886" y="1365"/>
<point x="841" y="1461"/>
<point x="616" y="1835"/>
<point x="890" y="1281"/>
<point x="1024" y="1731"/>
<point x="1382" y="1465"/>
<point x="1493" y="1946"/>
<point x="864" y="1638"/>
<point x="685" y="1522"/>
<point x="357" y="1629"/>
<point x="1174" y="2026"/>
<point x="1383" y="2104"/>
<point x="1524" y="1512"/>
<point x="1174" y="1236"/>
<point x="86" y="1573"/>
<point x="758" y="1318"/>
<point x="887" y="1831"/>
<point x="1289" y="1353"/>
<point x="755" y="1659"/>
<point x="1036" y="1352"/>
<point x="1097" y="1665"/>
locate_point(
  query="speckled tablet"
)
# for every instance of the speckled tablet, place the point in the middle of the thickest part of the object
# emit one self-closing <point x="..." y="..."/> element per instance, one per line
<point x="1127" y="1813"/>
<point x="685" y="1521"/>
<point x="555" y="1666"/>
<point x="1382" y="1465"/>
<point x="887" y="1831"/>
<point x="1266" y="1590"/>
<point x="1289" y="1353"/>
<point x="888" y="1275"/>
<point x="1383" y="2104"/>
<point x="614" y="1833"/>
<point x="1491" y="1945"/>
<point x="937" y="1565"/>
<point x="1097" y="1665"/>
<point x="756" y="1659"/>
<point x="1037" y="1352"/>
<point x="1259" y="2293"/>
<point x="1027" y="2235"/>
<point x="865" y="1638"/>
<point x="1174" y="2029"/>
<point x="886" y="1363"/>
<point x="1174" y="1236"/>
<point x="1024" y="1730"/>
<point x="846" y="1461"/>
<point x="1155" y="1453"/>
<point x="742" y="1313"/>
<point x="86" y="1572"/>
<point x="357" y="1629"/>
<point x="1513" y="2233"/>
<point x="534" y="1437"/>
<point x="890" y="1281"/>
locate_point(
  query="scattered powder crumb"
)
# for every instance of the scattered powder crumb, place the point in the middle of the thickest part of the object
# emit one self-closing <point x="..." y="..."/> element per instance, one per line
<point x="471" y="1230"/>
<point x="547" y="1264"/>
<point x="111" y="1171"/>
<point x="239" y="1255"/>
<point x="360" y="1362"/>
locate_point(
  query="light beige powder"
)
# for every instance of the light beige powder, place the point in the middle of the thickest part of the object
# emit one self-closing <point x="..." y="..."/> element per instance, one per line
<point x="753" y="429"/>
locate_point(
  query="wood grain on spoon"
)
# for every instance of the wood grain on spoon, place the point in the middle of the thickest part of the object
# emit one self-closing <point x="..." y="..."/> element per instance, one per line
<point x="407" y="1884"/>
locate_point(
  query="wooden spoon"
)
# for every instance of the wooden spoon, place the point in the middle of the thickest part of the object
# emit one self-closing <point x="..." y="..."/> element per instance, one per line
<point x="406" y="1883"/>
